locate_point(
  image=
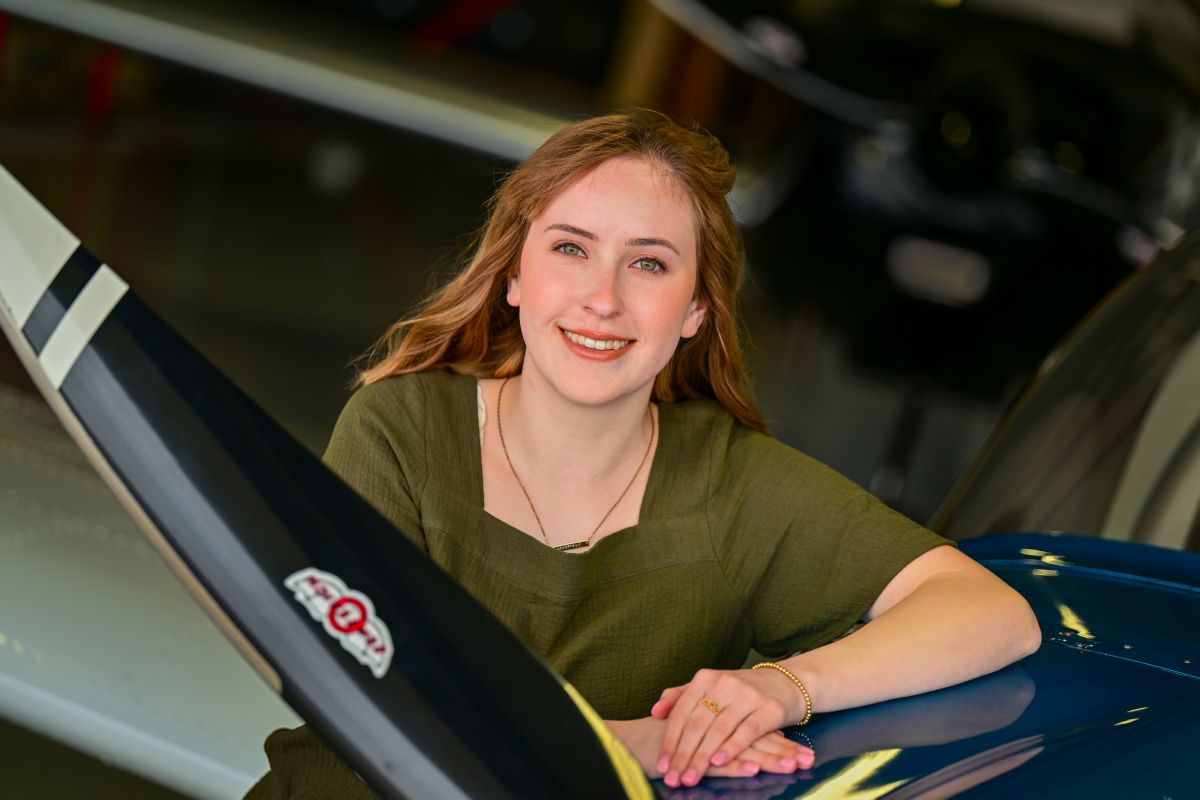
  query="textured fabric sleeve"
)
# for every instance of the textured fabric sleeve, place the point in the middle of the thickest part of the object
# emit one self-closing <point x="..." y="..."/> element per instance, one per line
<point x="377" y="447"/>
<point x="808" y="550"/>
<point x="303" y="768"/>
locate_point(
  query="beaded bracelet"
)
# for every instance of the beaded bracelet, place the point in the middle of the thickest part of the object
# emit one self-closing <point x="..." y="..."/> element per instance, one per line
<point x="808" y="710"/>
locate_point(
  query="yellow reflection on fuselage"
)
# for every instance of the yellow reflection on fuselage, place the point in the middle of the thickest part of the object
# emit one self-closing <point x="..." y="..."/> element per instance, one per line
<point x="1071" y="621"/>
<point x="1044" y="557"/>
<point x="846" y="784"/>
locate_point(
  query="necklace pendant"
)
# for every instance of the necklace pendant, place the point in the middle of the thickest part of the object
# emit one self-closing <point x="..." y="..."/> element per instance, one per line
<point x="572" y="545"/>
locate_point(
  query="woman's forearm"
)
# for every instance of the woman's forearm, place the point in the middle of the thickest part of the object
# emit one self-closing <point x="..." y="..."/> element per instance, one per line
<point x="953" y="627"/>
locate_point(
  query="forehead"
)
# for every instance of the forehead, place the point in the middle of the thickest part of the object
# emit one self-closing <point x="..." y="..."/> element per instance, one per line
<point x="626" y="192"/>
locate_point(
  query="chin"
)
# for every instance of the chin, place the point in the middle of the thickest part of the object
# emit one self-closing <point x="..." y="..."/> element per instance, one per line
<point x="585" y="388"/>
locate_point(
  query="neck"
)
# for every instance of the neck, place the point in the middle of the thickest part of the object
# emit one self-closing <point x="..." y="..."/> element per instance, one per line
<point x="570" y="440"/>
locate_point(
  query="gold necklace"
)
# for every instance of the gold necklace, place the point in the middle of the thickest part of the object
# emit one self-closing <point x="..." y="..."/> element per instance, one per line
<point x="586" y="542"/>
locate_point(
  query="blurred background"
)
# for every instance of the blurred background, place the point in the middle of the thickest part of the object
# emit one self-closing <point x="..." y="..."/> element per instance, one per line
<point x="932" y="193"/>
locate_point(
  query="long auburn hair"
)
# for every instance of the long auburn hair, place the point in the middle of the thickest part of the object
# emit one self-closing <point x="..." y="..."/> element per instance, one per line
<point x="467" y="325"/>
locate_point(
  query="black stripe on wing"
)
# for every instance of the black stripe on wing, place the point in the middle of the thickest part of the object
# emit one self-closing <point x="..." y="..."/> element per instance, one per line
<point x="63" y="290"/>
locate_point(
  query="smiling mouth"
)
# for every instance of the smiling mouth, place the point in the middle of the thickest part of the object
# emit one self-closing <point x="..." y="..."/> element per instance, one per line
<point x="597" y="344"/>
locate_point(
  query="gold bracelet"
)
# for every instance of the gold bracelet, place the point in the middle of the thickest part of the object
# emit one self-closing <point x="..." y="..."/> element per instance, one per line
<point x="807" y="700"/>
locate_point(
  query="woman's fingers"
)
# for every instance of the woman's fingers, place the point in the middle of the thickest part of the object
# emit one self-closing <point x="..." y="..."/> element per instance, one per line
<point x="704" y="724"/>
<point x="761" y="759"/>
<point x="780" y="761"/>
<point x="738" y="768"/>
<point x="735" y="729"/>
<point x="666" y="701"/>
<point x="775" y="743"/>
<point x="760" y="730"/>
<point x="804" y="756"/>
<point x="715" y="718"/>
<point x="750" y="715"/>
<point x="681" y="715"/>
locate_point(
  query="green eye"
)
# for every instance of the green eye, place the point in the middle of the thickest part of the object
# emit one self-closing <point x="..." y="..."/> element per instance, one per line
<point x="570" y="249"/>
<point x="649" y="265"/>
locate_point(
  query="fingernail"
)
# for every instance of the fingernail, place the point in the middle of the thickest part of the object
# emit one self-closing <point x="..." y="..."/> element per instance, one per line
<point x="807" y="760"/>
<point x="691" y="778"/>
<point x="718" y="759"/>
<point x="663" y="763"/>
<point x="787" y="763"/>
<point x="750" y="768"/>
<point x="672" y="779"/>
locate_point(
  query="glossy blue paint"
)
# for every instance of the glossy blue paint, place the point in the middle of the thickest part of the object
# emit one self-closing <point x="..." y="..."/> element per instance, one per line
<point x="1131" y="559"/>
<point x="1105" y="708"/>
<point x="1118" y="599"/>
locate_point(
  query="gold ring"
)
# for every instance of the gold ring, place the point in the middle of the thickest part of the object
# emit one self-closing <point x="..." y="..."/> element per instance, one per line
<point x="712" y="705"/>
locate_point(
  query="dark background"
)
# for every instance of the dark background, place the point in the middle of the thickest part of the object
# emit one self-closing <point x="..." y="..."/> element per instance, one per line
<point x="281" y="233"/>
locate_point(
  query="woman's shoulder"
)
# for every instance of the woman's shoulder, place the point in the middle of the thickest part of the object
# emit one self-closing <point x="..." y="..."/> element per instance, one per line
<point x="399" y="416"/>
<point x="408" y="395"/>
<point x="706" y="429"/>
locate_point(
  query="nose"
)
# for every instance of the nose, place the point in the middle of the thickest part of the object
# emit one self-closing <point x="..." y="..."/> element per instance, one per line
<point x="603" y="293"/>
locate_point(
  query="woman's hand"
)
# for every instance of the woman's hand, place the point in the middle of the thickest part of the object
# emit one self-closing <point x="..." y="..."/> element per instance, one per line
<point x="749" y="705"/>
<point x="772" y="753"/>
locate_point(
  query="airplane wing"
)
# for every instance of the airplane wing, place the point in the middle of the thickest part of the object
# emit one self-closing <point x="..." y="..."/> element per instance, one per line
<point x="377" y="648"/>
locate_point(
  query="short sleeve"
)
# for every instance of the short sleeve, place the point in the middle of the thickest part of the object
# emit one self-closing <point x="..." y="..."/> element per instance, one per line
<point x="808" y="550"/>
<point x="377" y="447"/>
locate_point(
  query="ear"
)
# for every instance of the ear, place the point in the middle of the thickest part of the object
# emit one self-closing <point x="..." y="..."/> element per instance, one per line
<point x="694" y="318"/>
<point x="513" y="295"/>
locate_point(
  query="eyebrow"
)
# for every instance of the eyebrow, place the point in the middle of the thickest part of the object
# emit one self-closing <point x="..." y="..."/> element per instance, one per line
<point x="562" y="226"/>
<point x="650" y="242"/>
<point x="645" y="241"/>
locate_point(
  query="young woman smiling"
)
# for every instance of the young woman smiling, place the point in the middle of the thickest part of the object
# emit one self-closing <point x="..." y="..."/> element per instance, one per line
<point x="566" y="429"/>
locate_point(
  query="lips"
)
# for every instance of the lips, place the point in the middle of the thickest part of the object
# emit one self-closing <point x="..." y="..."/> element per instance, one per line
<point x="597" y="343"/>
<point x="595" y="346"/>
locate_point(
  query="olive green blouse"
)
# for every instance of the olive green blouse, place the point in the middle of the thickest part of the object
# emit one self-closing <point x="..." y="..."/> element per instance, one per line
<point x="742" y="542"/>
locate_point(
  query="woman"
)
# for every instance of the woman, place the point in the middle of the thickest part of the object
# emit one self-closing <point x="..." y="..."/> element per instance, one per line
<point x="566" y="429"/>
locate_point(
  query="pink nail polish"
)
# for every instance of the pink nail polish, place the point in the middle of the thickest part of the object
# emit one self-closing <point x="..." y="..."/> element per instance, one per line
<point x="787" y="763"/>
<point x="690" y="777"/>
<point x="718" y="759"/>
<point x="750" y="768"/>
<point x="672" y="779"/>
<point x="663" y="763"/>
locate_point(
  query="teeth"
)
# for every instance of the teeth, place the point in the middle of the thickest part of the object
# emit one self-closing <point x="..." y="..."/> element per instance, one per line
<point x="594" y="344"/>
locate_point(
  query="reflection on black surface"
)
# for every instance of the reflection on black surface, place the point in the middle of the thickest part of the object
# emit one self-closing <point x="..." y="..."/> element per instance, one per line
<point x="981" y="706"/>
<point x="760" y="787"/>
<point x="970" y="772"/>
<point x="1099" y="444"/>
<point x="959" y="712"/>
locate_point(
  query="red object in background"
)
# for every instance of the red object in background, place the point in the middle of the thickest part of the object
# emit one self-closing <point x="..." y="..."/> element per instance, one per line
<point x="455" y="23"/>
<point x="102" y="80"/>
<point x="3" y="40"/>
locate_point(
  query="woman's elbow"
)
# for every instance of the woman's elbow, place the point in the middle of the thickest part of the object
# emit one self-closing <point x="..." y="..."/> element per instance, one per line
<point x="1027" y="634"/>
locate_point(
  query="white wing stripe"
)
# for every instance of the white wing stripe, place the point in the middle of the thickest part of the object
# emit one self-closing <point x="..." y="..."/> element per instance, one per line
<point x="80" y="323"/>
<point x="33" y="248"/>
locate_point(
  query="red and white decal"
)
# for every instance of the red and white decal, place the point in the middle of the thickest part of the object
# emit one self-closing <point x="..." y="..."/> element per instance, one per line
<point x="347" y="616"/>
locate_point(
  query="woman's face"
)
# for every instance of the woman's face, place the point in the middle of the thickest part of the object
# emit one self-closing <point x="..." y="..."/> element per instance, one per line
<point x="607" y="282"/>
